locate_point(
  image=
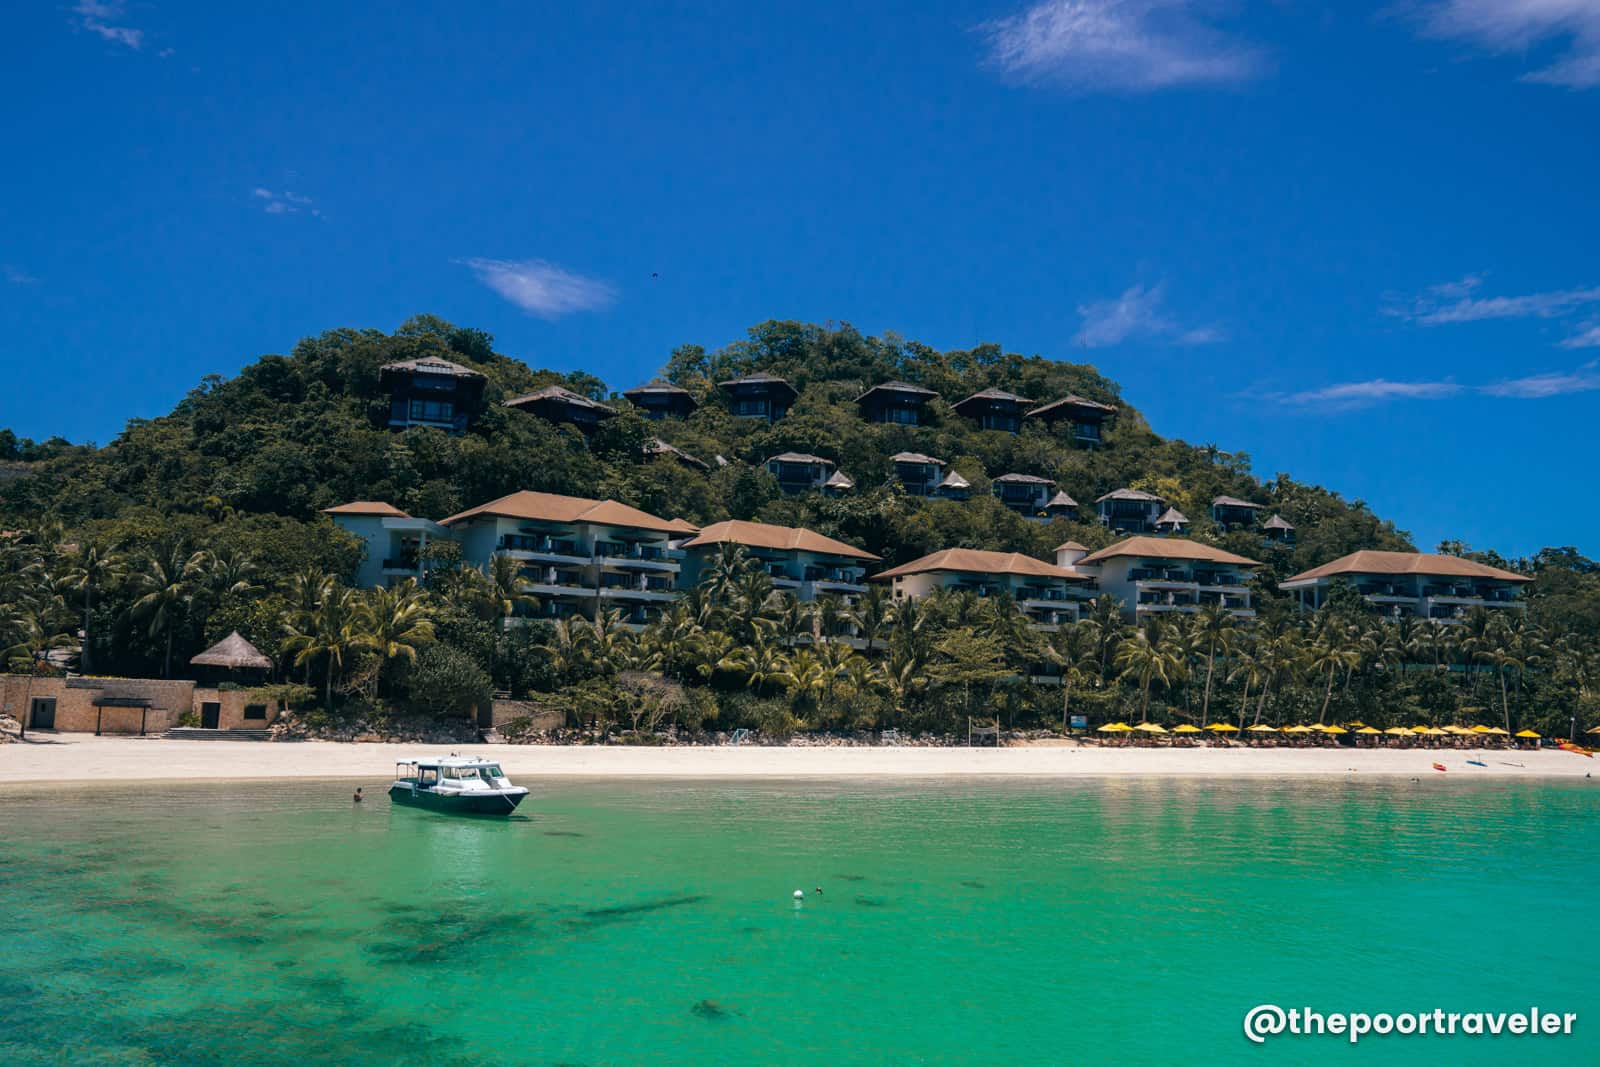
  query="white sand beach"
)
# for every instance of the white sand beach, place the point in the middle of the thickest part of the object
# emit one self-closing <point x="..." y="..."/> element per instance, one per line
<point x="80" y="758"/>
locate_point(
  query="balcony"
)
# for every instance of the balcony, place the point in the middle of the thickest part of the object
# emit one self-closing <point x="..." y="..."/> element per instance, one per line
<point x="642" y="557"/>
<point x="557" y="587"/>
<point x="407" y="564"/>
<point x="554" y="548"/>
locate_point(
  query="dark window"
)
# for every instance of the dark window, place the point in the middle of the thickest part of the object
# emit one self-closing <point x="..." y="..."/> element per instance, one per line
<point x="255" y="711"/>
<point x="433" y="410"/>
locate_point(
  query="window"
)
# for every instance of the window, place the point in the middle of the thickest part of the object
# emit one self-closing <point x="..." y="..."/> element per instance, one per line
<point x="255" y="711"/>
<point x="433" y="410"/>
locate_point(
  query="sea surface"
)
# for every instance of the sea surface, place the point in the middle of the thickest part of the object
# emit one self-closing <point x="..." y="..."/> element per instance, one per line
<point x="985" y="922"/>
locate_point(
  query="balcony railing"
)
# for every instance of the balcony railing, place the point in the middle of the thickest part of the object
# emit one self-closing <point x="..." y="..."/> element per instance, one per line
<point x="550" y="545"/>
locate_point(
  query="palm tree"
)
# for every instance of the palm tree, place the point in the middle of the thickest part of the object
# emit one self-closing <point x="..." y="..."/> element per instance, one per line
<point x="395" y="621"/>
<point x="762" y="665"/>
<point x="33" y="639"/>
<point x="332" y="631"/>
<point x="1214" y="627"/>
<point x="1146" y="655"/>
<point x="751" y="593"/>
<point x="508" y="588"/>
<point x="567" y="646"/>
<point x="872" y="614"/>
<point x="1329" y="654"/>
<point x="1250" y="665"/>
<point x="1066" y="649"/>
<point x="94" y="568"/>
<point x="794" y="619"/>
<point x="167" y="583"/>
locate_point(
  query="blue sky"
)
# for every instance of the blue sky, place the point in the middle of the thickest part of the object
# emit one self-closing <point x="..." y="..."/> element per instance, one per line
<point x="1357" y="242"/>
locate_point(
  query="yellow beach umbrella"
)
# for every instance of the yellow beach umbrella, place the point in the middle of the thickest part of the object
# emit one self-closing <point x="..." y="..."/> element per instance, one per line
<point x="1187" y="729"/>
<point x="1355" y="724"/>
<point x="1369" y="730"/>
<point x="1459" y="731"/>
<point x="1496" y="731"/>
<point x="1150" y="728"/>
<point x="1337" y="730"/>
<point x="1399" y="731"/>
<point x="1528" y="734"/>
<point x="1419" y="729"/>
<point x="1482" y="729"/>
<point x="1115" y="728"/>
<point x="1260" y="728"/>
<point x="1229" y="728"/>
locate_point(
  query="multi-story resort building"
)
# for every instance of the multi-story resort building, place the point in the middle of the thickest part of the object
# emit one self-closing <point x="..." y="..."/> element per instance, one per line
<point x="579" y="556"/>
<point x="555" y="403"/>
<point x="1164" y="575"/>
<point x="918" y="474"/>
<point x="661" y="400"/>
<point x="1086" y="417"/>
<point x="895" y="402"/>
<point x="1231" y="513"/>
<point x="1047" y="594"/>
<point x="1419" y="584"/>
<point x="759" y="396"/>
<point x="995" y="409"/>
<point x="1129" y="510"/>
<point x="1026" y="494"/>
<point x="396" y="544"/>
<point x="431" y="392"/>
<point x="800" y="561"/>
<point x="799" y="472"/>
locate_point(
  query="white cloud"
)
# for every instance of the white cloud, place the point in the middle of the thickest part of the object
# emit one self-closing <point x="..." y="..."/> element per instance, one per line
<point x="16" y="275"/>
<point x="1539" y="386"/>
<point x="1588" y="337"/>
<point x="96" y="16"/>
<point x="1361" y="394"/>
<point x="1569" y="27"/>
<point x="1456" y="302"/>
<point x="285" y="203"/>
<point x="1119" y="45"/>
<point x="1137" y="315"/>
<point x="541" y="288"/>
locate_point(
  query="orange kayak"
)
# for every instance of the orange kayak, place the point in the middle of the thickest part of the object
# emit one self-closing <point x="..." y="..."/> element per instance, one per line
<point x="1579" y="749"/>
<point x="1438" y="766"/>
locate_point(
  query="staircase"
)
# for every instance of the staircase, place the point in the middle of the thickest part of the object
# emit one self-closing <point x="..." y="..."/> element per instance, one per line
<point x="194" y="733"/>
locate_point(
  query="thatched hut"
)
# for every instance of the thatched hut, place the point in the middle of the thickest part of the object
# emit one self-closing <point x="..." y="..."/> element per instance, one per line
<point x="233" y="659"/>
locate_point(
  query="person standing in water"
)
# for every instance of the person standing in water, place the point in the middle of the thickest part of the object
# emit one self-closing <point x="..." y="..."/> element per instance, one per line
<point x="357" y="797"/>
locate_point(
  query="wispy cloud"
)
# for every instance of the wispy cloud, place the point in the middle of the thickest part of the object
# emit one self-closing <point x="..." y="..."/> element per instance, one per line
<point x="1119" y="45"/>
<point x="1588" y="337"/>
<point x="1364" y="394"/>
<point x="1504" y="26"/>
<point x="1459" y="301"/>
<point x="541" y="288"/>
<point x="1137" y="315"/>
<point x="16" y="275"/>
<point x="99" y="17"/>
<point x="1538" y="386"/>
<point x="285" y="203"/>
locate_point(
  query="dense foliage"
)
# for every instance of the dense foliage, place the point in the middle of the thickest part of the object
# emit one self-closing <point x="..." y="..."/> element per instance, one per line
<point x="207" y="520"/>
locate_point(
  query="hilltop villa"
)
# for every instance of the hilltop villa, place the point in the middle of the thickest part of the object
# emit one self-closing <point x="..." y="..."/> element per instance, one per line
<point x="661" y="400"/>
<point x="895" y="402"/>
<point x="556" y="404"/>
<point x="799" y="472"/>
<point x="1048" y="595"/>
<point x="1231" y="513"/>
<point x="1165" y="575"/>
<point x="1419" y="584"/>
<point x="431" y="392"/>
<point x="1129" y="510"/>
<point x="918" y="474"/>
<point x="800" y="561"/>
<point x="995" y="409"/>
<point x="1026" y="494"/>
<point x="759" y="396"/>
<point x="1086" y="417"/>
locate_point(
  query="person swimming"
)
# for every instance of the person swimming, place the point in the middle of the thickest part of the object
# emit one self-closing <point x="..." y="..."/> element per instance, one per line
<point x="358" y="798"/>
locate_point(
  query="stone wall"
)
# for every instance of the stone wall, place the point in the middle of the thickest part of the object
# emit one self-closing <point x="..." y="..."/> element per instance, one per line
<point x="540" y="717"/>
<point x="80" y="703"/>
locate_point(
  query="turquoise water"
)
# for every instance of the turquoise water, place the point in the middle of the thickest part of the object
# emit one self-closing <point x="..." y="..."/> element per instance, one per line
<point x="977" y="922"/>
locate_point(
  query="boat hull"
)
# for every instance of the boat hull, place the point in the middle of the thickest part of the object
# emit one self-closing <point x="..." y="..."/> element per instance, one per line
<point x="458" y="803"/>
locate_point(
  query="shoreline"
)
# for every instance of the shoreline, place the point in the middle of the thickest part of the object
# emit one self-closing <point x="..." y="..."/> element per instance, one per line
<point x="85" y="759"/>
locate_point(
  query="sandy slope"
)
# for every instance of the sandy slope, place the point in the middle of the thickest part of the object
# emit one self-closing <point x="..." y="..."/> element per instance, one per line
<point x="70" y="758"/>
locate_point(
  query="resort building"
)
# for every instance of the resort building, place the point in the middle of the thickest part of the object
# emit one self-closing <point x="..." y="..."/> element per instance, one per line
<point x="1231" y="513"/>
<point x="661" y="400"/>
<point x="579" y="556"/>
<point x="1086" y="417"/>
<point x="557" y="404"/>
<point x="431" y="392"/>
<point x="656" y="448"/>
<point x="1061" y="506"/>
<point x="953" y="487"/>
<point x="1130" y="510"/>
<point x="143" y="706"/>
<point x="838" y="484"/>
<point x="759" y="396"/>
<point x="1047" y="594"/>
<point x="800" y="561"/>
<point x="919" y="475"/>
<point x="799" y="472"/>
<point x="1164" y="575"/>
<point x="1419" y="584"/>
<point x="1278" y="528"/>
<point x="995" y="409"/>
<point x="900" y="403"/>
<point x="1172" y="523"/>
<point x="395" y="542"/>
<point x="1026" y="494"/>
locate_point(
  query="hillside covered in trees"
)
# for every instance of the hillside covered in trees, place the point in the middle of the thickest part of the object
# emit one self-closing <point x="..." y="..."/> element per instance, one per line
<point x="207" y="520"/>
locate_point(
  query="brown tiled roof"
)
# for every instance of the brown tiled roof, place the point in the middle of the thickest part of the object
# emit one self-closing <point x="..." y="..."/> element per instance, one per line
<point x="1070" y="402"/>
<point x="839" y="480"/>
<point x="657" y="386"/>
<point x="1061" y="500"/>
<point x="953" y="480"/>
<point x="1025" y="479"/>
<point x="1129" y="494"/>
<point x="797" y="457"/>
<point x="1426" y="564"/>
<point x="914" y="457"/>
<point x="976" y="561"/>
<point x="1233" y="502"/>
<point x="1071" y="546"/>
<point x="897" y="386"/>
<point x="1172" y="515"/>
<point x="1167" y="548"/>
<point x="431" y="365"/>
<point x="760" y="379"/>
<point x="1277" y="522"/>
<point x="562" y="395"/>
<point x="991" y="394"/>
<point x="761" y="535"/>
<point x="367" y="507"/>
<point x="551" y="507"/>
<point x="232" y="651"/>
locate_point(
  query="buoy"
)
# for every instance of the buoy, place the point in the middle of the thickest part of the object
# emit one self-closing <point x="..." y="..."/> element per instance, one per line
<point x="799" y="895"/>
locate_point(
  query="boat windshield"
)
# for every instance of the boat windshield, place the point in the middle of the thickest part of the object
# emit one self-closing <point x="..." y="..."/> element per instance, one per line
<point x="493" y="771"/>
<point x="466" y="772"/>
